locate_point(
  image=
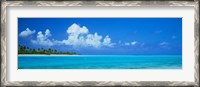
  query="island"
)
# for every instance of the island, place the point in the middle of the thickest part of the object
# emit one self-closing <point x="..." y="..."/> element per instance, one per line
<point x="28" y="50"/>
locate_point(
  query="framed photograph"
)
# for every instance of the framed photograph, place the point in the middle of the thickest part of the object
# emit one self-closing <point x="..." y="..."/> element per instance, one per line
<point x="100" y="43"/>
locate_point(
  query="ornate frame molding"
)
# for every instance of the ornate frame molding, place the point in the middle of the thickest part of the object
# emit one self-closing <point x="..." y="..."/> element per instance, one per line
<point x="4" y="82"/>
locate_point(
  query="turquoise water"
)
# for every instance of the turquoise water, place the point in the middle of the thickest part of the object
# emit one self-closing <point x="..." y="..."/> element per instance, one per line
<point x="100" y="62"/>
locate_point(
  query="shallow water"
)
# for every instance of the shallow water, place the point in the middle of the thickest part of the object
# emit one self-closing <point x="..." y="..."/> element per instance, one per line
<point x="100" y="62"/>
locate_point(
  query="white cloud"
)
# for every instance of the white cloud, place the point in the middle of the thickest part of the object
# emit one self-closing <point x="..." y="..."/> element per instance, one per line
<point x="134" y="43"/>
<point x="94" y="40"/>
<point x="47" y="33"/>
<point x="43" y="39"/>
<point x="131" y="43"/>
<point x="79" y="37"/>
<point x="76" y="29"/>
<point x="76" y="35"/>
<point x="107" y="41"/>
<point x="127" y="44"/>
<point x="164" y="43"/>
<point x="26" y="32"/>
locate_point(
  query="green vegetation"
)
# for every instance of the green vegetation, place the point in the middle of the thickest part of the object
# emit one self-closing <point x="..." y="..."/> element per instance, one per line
<point x="27" y="50"/>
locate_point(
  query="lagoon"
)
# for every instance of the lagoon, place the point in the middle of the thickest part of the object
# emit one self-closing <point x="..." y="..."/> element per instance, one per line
<point x="99" y="62"/>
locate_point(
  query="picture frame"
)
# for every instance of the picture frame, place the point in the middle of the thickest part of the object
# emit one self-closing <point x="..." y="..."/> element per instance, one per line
<point x="6" y="4"/>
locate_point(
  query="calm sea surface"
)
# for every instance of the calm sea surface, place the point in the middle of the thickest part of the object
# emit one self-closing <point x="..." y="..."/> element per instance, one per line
<point x="100" y="62"/>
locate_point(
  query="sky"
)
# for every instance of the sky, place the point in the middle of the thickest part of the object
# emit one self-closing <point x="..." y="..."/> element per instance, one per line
<point x="103" y="36"/>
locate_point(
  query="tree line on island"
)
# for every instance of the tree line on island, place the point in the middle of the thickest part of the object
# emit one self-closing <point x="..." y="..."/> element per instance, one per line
<point x="28" y="50"/>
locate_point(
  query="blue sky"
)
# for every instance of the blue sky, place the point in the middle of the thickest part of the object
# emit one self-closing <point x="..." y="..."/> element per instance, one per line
<point x="103" y="36"/>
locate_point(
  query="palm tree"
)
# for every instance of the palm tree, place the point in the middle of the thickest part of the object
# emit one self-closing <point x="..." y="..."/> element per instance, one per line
<point x="28" y="50"/>
<point x="33" y="51"/>
<point x="24" y="47"/>
<point x="49" y="50"/>
<point x="44" y="51"/>
<point x="55" y="51"/>
<point x="38" y="50"/>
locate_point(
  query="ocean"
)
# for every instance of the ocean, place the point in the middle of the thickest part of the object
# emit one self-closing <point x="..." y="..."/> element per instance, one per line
<point x="99" y="62"/>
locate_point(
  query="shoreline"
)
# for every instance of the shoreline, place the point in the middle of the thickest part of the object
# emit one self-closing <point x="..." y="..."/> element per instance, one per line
<point x="45" y="55"/>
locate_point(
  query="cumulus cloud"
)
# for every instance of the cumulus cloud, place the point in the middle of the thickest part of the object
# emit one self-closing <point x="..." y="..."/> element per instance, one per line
<point x="134" y="43"/>
<point x="107" y="41"/>
<point x="47" y="33"/>
<point x="93" y="40"/>
<point x="42" y="39"/>
<point x="77" y="37"/>
<point x="76" y="29"/>
<point x="80" y="37"/>
<point x="26" y="32"/>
